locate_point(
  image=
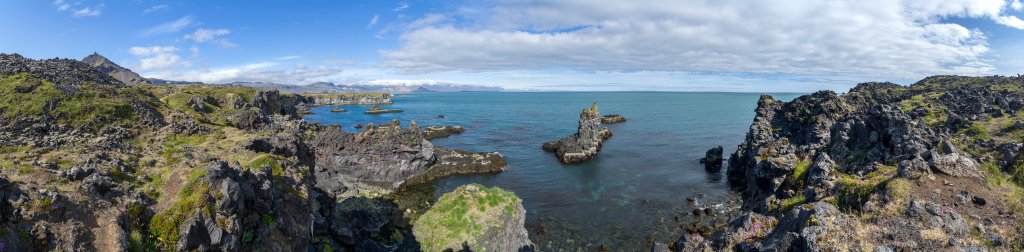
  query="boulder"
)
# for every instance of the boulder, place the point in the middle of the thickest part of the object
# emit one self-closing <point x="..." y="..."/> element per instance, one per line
<point x="952" y="162"/>
<point x="489" y="219"/>
<point x="713" y="159"/>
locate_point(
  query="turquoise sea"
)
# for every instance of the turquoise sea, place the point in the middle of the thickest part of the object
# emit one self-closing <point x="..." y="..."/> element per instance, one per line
<point x="629" y="194"/>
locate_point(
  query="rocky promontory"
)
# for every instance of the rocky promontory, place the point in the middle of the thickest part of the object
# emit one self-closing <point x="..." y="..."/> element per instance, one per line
<point x="376" y="109"/>
<point x="350" y="98"/>
<point x="381" y="159"/>
<point x="883" y="167"/>
<point x="486" y="219"/>
<point x="585" y="143"/>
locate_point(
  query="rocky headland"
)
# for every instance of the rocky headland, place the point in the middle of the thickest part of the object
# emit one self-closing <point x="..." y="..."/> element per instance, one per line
<point x="350" y="98"/>
<point x="585" y="143"/>
<point x="88" y="163"/>
<point x="934" y="166"/>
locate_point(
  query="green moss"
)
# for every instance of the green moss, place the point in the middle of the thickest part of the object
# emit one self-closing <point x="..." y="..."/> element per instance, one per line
<point x="462" y="215"/>
<point x="265" y="161"/>
<point x="219" y="100"/>
<point x="91" y="106"/>
<point x="800" y="171"/>
<point x="860" y="188"/>
<point x="792" y="202"/>
<point x="192" y="198"/>
<point x="977" y="131"/>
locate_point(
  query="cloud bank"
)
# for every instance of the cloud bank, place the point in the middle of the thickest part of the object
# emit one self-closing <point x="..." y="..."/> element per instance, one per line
<point x="891" y="38"/>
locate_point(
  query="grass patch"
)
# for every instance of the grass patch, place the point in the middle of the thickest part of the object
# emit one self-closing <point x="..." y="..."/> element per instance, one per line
<point x="91" y="106"/>
<point x="191" y="199"/>
<point x="977" y="131"/>
<point x="855" y="190"/>
<point x="792" y="202"/>
<point x="463" y="215"/>
<point x="264" y="161"/>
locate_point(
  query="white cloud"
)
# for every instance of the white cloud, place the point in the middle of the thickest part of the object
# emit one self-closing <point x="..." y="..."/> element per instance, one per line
<point x="225" y="43"/>
<point x="901" y="39"/>
<point x="203" y="35"/>
<point x="260" y="71"/>
<point x="87" y="11"/>
<point x="401" y="6"/>
<point x="158" y="57"/>
<point x="170" y="27"/>
<point x="1016" y="5"/>
<point x="155" y="8"/>
<point x="373" y="21"/>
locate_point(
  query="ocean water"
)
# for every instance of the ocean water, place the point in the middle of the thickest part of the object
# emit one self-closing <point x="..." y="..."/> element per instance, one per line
<point x="629" y="194"/>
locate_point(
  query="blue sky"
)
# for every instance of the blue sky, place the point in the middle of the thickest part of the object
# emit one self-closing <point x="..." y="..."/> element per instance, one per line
<point x="762" y="46"/>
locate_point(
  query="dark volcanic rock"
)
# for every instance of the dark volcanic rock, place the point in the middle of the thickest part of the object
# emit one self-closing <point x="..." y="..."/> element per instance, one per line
<point x="431" y="132"/>
<point x="713" y="159"/>
<point x="66" y="72"/>
<point x="381" y="159"/>
<point x="587" y="141"/>
<point x="376" y="109"/>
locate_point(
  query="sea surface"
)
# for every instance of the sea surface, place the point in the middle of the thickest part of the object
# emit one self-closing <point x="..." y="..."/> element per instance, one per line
<point x="630" y="194"/>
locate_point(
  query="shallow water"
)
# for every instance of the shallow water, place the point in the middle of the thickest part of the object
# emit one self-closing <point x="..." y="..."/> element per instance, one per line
<point x="628" y="194"/>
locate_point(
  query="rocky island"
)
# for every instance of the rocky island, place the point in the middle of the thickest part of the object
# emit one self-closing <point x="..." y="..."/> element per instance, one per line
<point x="376" y="109"/>
<point x="931" y="166"/>
<point x="613" y="118"/>
<point x="431" y="132"/>
<point x="89" y="163"/>
<point x="585" y="143"/>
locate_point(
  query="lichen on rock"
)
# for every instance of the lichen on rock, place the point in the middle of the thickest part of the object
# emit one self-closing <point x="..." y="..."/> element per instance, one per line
<point x="474" y="216"/>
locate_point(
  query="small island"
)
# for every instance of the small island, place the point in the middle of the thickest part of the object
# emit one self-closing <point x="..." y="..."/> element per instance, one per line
<point x="338" y="110"/>
<point x="376" y="109"/>
<point x="587" y="141"/>
<point x="613" y="118"/>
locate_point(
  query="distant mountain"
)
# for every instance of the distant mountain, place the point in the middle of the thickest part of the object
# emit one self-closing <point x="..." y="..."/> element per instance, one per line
<point x="327" y="87"/>
<point x="110" y="68"/>
<point x="170" y="82"/>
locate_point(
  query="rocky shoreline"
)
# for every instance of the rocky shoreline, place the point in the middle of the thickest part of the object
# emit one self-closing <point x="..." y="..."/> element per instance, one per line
<point x="350" y="99"/>
<point x="90" y="164"/>
<point x="882" y="168"/>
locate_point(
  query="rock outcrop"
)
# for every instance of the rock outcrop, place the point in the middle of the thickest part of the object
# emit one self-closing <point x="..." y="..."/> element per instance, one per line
<point x="122" y="74"/>
<point x="809" y="167"/>
<point x="376" y="109"/>
<point x="585" y="143"/>
<point x="713" y="159"/>
<point x="491" y="219"/>
<point x="431" y="132"/>
<point x="613" y="118"/>
<point x="381" y="159"/>
<point x="350" y="98"/>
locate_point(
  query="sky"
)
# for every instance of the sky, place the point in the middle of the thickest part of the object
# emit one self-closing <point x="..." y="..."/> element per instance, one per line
<point x="571" y="45"/>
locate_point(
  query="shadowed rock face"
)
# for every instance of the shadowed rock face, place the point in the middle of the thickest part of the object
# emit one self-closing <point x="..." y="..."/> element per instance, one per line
<point x="587" y="141"/>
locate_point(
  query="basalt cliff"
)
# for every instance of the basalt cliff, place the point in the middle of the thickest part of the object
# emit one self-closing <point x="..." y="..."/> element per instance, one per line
<point x="934" y="166"/>
<point x="89" y="163"/>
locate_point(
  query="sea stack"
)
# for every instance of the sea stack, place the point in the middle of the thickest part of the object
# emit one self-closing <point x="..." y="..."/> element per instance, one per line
<point x="586" y="143"/>
<point x="713" y="159"/>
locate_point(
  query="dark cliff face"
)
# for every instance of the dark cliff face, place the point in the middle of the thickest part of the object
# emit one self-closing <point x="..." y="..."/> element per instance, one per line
<point x="871" y="151"/>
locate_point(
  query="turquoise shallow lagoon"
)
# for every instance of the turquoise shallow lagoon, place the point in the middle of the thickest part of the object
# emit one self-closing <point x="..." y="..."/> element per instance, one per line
<point x="631" y="192"/>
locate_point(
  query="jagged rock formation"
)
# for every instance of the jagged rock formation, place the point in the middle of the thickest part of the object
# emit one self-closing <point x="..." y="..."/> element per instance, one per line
<point x="381" y="159"/>
<point x="712" y="160"/>
<point x="492" y="220"/>
<point x="610" y="119"/>
<point x="350" y="98"/>
<point x="110" y="68"/>
<point x="585" y="143"/>
<point x="808" y="168"/>
<point x="431" y="132"/>
<point x="60" y="71"/>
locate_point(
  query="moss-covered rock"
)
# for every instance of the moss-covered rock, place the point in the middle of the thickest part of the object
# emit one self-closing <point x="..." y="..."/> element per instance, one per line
<point x="474" y="216"/>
